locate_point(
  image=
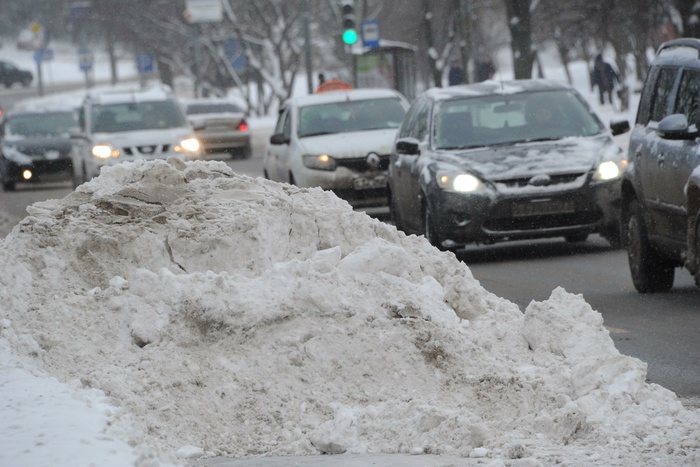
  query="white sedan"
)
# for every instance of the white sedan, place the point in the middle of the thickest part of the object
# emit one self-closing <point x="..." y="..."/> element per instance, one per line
<point x="337" y="141"/>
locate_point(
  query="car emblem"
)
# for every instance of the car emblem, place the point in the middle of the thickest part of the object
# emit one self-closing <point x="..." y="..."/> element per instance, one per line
<point x="51" y="155"/>
<point x="147" y="149"/>
<point x="540" y="180"/>
<point x="373" y="161"/>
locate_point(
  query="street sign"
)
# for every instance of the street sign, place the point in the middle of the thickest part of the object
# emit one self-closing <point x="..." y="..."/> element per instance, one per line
<point x="81" y="12"/>
<point x="43" y="55"/>
<point x="85" y="58"/>
<point x="370" y="33"/>
<point x="144" y="63"/>
<point x="203" y="11"/>
<point x="235" y="53"/>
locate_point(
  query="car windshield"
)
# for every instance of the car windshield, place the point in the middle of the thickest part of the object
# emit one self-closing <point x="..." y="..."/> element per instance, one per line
<point x="511" y="118"/>
<point x="157" y="115"/>
<point x="194" y="109"/>
<point x="349" y="116"/>
<point x="41" y="124"/>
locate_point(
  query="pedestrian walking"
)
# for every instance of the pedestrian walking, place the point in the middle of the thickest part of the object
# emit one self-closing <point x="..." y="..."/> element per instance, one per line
<point x="604" y="76"/>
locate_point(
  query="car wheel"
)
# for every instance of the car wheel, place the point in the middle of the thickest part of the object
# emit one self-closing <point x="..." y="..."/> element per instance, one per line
<point x="394" y="212"/>
<point x="650" y="271"/>
<point x="25" y="83"/>
<point x="697" y="250"/>
<point x="429" y="229"/>
<point x="577" y="237"/>
<point x="8" y="186"/>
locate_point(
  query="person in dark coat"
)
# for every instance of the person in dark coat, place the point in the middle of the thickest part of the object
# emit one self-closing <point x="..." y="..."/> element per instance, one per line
<point x="604" y="76"/>
<point x="455" y="75"/>
<point x="485" y="69"/>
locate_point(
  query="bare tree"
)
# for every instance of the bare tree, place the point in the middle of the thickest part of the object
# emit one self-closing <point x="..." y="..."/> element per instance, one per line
<point x="521" y="37"/>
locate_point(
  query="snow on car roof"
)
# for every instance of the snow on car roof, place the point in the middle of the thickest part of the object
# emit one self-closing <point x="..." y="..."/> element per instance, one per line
<point x="495" y="87"/>
<point x="339" y="96"/>
<point x="680" y="51"/>
<point x="131" y="94"/>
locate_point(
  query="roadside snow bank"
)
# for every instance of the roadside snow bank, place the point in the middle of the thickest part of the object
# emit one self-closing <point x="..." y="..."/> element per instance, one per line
<point x="235" y="316"/>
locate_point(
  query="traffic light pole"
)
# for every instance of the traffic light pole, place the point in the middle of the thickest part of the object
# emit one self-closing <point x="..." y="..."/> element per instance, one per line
<point x="307" y="47"/>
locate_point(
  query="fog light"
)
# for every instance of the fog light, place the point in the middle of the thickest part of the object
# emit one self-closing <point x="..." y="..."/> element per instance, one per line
<point x="27" y="174"/>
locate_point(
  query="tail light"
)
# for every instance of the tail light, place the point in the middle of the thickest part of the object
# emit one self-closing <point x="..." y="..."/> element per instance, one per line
<point x="243" y="125"/>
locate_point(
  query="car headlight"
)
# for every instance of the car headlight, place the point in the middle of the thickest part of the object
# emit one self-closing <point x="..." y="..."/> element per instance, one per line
<point x="609" y="170"/>
<point x="319" y="162"/>
<point x="105" y="151"/>
<point x="460" y="182"/>
<point x="190" y="145"/>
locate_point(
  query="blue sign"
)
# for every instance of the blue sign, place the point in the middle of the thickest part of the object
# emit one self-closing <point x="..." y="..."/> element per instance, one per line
<point x="43" y="55"/>
<point x="370" y="33"/>
<point x="81" y="12"/>
<point x="145" y="63"/>
<point x="85" y="58"/>
<point x="235" y="53"/>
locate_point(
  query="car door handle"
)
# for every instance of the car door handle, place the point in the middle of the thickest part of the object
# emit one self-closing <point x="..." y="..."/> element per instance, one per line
<point x="661" y="159"/>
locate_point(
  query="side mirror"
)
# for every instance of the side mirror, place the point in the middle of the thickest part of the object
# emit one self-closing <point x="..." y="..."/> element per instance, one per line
<point x="619" y="127"/>
<point x="74" y="132"/>
<point x="676" y="127"/>
<point x="408" y="147"/>
<point x="279" y="138"/>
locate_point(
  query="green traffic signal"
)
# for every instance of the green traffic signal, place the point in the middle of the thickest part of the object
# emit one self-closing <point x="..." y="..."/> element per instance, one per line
<point x="349" y="36"/>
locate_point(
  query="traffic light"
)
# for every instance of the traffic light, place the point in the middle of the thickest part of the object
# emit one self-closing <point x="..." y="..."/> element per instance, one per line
<point x="349" y="22"/>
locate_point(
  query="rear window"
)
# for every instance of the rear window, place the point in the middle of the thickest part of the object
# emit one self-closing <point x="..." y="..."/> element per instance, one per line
<point x="208" y="108"/>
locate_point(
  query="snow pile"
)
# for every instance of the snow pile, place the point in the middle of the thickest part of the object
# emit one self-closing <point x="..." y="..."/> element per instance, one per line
<point x="225" y="315"/>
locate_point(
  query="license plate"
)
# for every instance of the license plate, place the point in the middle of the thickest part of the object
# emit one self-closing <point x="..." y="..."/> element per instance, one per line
<point x="542" y="208"/>
<point x="368" y="183"/>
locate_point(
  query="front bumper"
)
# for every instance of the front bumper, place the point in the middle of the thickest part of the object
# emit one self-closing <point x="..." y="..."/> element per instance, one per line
<point x="490" y="217"/>
<point x="352" y="181"/>
<point x="41" y="169"/>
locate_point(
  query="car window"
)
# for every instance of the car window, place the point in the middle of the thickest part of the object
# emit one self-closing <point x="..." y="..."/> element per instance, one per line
<point x="644" y="110"/>
<point x="417" y="108"/>
<point x="688" y="95"/>
<point x="662" y="90"/>
<point x="511" y="118"/>
<point x="350" y="116"/>
<point x="210" y="108"/>
<point x="44" y="124"/>
<point x="282" y="125"/>
<point x="114" y="118"/>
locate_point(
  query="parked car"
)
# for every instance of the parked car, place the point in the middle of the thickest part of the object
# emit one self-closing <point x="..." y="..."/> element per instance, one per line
<point x="35" y="146"/>
<point x="127" y="125"/>
<point x="10" y="75"/>
<point x="492" y="162"/>
<point x="661" y="186"/>
<point x="220" y="126"/>
<point x="337" y="141"/>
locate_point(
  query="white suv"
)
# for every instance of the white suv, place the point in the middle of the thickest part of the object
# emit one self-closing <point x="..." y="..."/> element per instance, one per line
<point x="127" y="125"/>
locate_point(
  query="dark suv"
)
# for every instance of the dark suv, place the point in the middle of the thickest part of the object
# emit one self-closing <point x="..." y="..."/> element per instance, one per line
<point x="10" y="74"/>
<point x="661" y="186"/>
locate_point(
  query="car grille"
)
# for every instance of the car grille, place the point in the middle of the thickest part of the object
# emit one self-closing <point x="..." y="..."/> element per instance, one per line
<point x="359" y="164"/>
<point x="522" y="182"/>
<point x="146" y="150"/>
<point x="502" y="218"/>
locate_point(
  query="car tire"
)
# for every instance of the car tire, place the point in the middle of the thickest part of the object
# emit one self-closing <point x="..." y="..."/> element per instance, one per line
<point x="394" y="212"/>
<point x="8" y="185"/>
<point x="26" y="82"/>
<point x="429" y="229"/>
<point x="696" y="277"/>
<point x="650" y="272"/>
